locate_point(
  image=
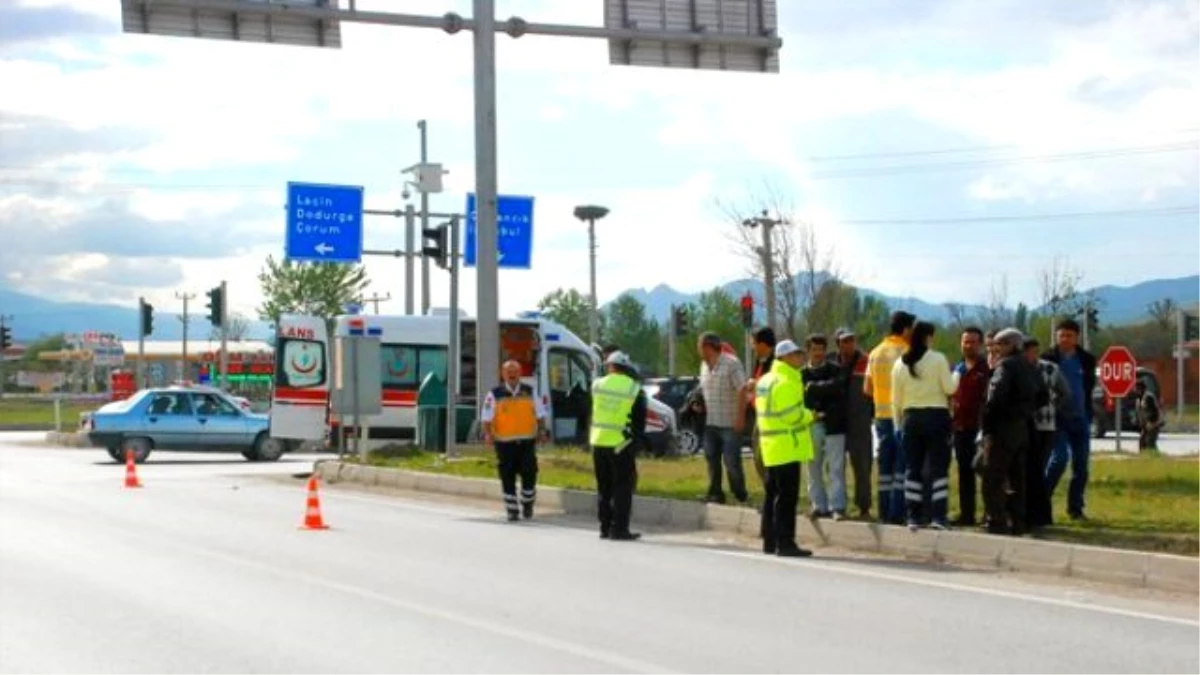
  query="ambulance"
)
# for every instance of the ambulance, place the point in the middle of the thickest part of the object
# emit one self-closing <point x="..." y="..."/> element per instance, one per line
<point x="554" y="361"/>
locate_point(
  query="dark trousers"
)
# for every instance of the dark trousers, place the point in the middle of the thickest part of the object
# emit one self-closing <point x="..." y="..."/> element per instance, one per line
<point x="926" y="443"/>
<point x="964" y="456"/>
<point x="517" y="458"/>
<point x="858" y="447"/>
<point x="779" y="508"/>
<point x="1148" y="438"/>
<point x="1004" y="478"/>
<point x="1037" y="502"/>
<point x="722" y="445"/>
<point x="616" y="473"/>
<point x="1072" y="443"/>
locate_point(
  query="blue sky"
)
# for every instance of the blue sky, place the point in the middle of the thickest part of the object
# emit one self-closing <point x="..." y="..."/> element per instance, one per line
<point x="924" y="141"/>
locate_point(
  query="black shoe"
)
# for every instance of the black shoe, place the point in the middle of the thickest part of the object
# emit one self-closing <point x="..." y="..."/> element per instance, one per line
<point x="626" y="536"/>
<point x="769" y="549"/>
<point x="1077" y="515"/>
<point x="793" y="552"/>
<point x="714" y="499"/>
<point x="604" y="534"/>
<point x="527" y="510"/>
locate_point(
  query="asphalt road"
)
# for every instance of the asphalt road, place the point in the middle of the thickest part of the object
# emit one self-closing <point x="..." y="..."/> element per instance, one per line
<point x="205" y="570"/>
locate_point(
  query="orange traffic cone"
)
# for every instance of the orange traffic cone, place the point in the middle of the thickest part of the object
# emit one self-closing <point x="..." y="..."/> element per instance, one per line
<point x="131" y="479"/>
<point x="312" y="511"/>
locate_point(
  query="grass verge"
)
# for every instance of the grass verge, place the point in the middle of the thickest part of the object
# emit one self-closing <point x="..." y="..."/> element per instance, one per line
<point x="14" y="411"/>
<point x="1147" y="502"/>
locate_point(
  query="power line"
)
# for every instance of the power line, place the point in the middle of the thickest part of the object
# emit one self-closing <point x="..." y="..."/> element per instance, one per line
<point x="1078" y="215"/>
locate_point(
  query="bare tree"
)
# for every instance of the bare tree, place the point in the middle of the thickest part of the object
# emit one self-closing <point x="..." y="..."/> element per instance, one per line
<point x="1163" y="312"/>
<point x="1059" y="284"/>
<point x="957" y="312"/>
<point x="996" y="314"/>
<point x="235" y="330"/>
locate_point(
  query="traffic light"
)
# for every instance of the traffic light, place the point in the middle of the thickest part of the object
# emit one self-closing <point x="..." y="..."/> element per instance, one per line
<point x="216" y="305"/>
<point x="1093" y="320"/>
<point x="5" y="337"/>
<point x="679" y="319"/>
<point x="747" y="311"/>
<point x="435" y="244"/>
<point x="147" y="313"/>
<point x="1191" y="327"/>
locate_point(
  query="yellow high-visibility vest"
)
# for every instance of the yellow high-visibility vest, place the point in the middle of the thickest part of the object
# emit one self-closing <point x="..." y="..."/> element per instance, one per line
<point x="613" y="397"/>
<point x="783" y="421"/>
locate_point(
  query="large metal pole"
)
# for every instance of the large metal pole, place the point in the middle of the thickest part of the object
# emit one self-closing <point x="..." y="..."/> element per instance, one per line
<point x="594" y="315"/>
<point x="410" y="245"/>
<point x="487" y="277"/>
<point x="671" y="344"/>
<point x="769" y="270"/>
<point x="1180" y="337"/>
<point x="452" y="355"/>
<point x="424" y="128"/>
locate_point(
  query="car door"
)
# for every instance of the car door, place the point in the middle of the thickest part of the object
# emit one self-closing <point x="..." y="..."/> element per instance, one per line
<point x="170" y="422"/>
<point x="222" y="425"/>
<point x="570" y="395"/>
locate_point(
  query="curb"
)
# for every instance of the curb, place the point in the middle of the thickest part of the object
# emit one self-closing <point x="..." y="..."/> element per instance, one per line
<point x="1135" y="569"/>
<point x="68" y="439"/>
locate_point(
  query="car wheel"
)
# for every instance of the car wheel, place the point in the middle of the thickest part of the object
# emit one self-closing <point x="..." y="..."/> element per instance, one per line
<point x="117" y="454"/>
<point x="689" y="442"/>
<point x="265" y="449"/>
<point x="140" y="448"/>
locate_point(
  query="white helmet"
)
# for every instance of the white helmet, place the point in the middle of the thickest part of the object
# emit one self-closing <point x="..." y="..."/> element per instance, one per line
<point x="618" y="358"/>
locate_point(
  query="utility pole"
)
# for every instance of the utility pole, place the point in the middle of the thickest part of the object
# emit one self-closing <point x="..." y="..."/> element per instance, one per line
<point x="423" y="127"/>
<point x="375" y="298"/>
<point x="590" y="214"/>
<point x="767" y="255"/>
<point x="183" y="365"/>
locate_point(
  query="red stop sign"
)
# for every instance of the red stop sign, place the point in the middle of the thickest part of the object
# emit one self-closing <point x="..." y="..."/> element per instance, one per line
<point x="1118" y="371"/>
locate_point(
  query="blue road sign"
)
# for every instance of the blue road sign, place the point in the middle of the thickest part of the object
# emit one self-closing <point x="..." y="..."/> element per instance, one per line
<point x="514" y="232"/>
<point x="324" y="223"/>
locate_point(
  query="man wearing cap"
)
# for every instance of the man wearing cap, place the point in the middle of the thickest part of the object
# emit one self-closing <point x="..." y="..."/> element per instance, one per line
<point x="618" y="422"/>
<point x="783" y="430"/>
<point x="1010" y="404"/>
<point x="859" y="412"/>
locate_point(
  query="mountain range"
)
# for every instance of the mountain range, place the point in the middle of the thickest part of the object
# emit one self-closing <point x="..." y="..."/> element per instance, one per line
<point x="1117" y="304"/>
<point x="33" y="316"/>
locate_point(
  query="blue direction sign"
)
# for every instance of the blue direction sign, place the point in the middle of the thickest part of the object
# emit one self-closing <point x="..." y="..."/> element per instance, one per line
<point x="514" y="232"/>
<point x="324" y="223"/>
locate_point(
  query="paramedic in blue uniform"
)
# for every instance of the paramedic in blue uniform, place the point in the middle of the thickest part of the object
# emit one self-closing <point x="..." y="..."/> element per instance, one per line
<point x="514" y="419"/>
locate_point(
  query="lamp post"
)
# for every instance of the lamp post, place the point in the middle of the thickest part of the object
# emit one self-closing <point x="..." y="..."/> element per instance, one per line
<point x="591" y="214"/>
<point x="767" y="256"/>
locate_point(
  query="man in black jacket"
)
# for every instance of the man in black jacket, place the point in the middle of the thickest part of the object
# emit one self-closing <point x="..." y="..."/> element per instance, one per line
<point x="826" y="387"/>
<point x="860" y="418"/>
<point x="1073" y="441"/>
<point x="1010" y="404"/>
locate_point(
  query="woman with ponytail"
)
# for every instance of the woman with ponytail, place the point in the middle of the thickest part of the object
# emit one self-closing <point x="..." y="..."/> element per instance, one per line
<point x="922" y="385"/>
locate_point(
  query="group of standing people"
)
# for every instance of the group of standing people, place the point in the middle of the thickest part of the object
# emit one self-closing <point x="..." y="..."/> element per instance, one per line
<point x="1006" y="412"/>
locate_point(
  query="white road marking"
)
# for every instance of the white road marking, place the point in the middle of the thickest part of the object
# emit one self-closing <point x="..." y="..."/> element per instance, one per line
<point x="962" y="588"/>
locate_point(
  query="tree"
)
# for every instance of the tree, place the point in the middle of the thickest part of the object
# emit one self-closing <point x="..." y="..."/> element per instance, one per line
<point x="716" y="311"/>
<point x="1163" y="312"/>
<point x="314" y="289"/>
<point x="570" y="308"/>
<point x="833" y="305"/>
<point x="1021" y="318"/>
<point x="1059" y="285"/>
<point x="31" y="359"/>
<point x="871" y="318"/>
<point x="639" y="336"/>
<point x="957" y="312"/>
<point x="236" y="329"/>
<point x="996" y="314"/>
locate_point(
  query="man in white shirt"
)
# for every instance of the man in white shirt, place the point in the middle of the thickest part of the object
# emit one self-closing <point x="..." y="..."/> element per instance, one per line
<point x="514" y="419"/>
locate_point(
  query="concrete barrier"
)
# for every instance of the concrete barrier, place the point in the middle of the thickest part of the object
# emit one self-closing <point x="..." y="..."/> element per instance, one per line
<point x="1126" y="568"/>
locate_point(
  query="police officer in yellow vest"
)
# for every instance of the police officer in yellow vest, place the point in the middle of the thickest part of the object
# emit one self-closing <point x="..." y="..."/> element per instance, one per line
<point x="783" y="430"/>
<point x="618" y="427"/>
<point x="514" y="419"/>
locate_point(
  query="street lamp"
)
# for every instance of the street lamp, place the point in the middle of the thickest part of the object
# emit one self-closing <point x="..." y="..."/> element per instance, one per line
<point x="591" y="214"/>
<point x="768" y="259"/>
